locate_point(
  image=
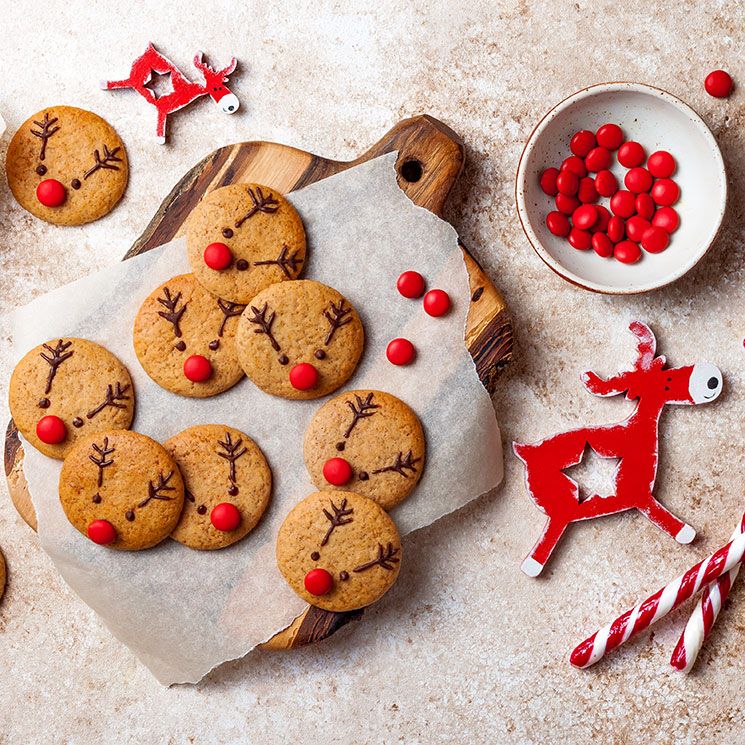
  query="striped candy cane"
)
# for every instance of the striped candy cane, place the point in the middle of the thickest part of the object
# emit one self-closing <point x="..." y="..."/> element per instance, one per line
<point x="657" y="606"/>
<point x="704" y="617"/>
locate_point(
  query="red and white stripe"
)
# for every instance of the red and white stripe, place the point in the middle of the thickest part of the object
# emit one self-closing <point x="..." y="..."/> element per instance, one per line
<point x="655" y="607"/>
<point x="705" y="615"/>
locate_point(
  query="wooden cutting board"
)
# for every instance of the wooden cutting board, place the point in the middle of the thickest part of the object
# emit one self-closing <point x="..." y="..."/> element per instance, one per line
<point x="430" y="159"/>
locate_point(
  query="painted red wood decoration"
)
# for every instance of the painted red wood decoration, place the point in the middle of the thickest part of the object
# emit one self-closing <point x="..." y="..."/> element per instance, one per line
<point x="634" y="442"/>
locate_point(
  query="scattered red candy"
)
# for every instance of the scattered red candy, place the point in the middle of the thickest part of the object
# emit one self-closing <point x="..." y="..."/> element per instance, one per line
<point x="585" y="217"/>
<point x="645" y="206"/>
<point x="566" y="204"/>
<point x="411" y="284"/>
<point x="635" y="228"/>
<point x="318" y="582"/>
<point x="558" y="224"/>
<point x="718" y="84"/>
<point x="603" y="219"/>
<point x="580" y="239"/>
<point x="631" y="154"/>
<point x="582" y="142"/>
<point x="51" y="193"/>
<point x="638" y="180"/>
<point x="575" y="165"/>
<point x="337" y="471"/>
<point x="225" y="516"/>
<point x="616" y="229"/>
<point x="655" y="240"/>
<point x="587" y="193"/>
<point x="400" y="352"/>
<point x="436" y="303"/>
<point x="665" y="192"/>
<point x="197" y="368"/>
<point x="606" y="183"/>
<point x="627" y="252"/>
<point x="610" y="136"/>
<point x="598" y="159"/>
<point x="602" y="245"/>
<point x="218" y="256"/>
<point x="101" y="532"/>
<point x="303" y="376"/>
<point x="567" y="183"/>
<point x="51" y="430"/>
<point x="623" y="203"/>
<point x="661" y="164"/>
<point x="548" y="182"/>
<point x="667" y="219"/>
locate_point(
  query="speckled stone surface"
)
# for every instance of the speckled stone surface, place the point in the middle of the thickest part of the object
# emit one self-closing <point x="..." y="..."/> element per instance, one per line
<point x="464" y="648"/>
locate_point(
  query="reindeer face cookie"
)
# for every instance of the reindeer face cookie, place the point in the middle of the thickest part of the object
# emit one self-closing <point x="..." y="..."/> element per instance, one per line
<point x="299" y="339"/>
<point x="65" y="389"/>
<point x="228" y="484"/>
<point x="339" y="550"/>
<point x="121" y="489"/>
<point x="242" y="238"/>
<point x="67" y="166"/>
<point x="368" y="441"/>
<point x="184" y="339"/>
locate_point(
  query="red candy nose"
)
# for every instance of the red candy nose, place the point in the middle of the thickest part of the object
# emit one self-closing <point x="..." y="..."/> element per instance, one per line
<point x="51" y="193"/>
<point x="197" y="368"/>
<point x="218" y="256"/>
<point x="51" y="430"/>
<point x="225" y="517"/>
<point x="319" y="582"/>
<point x="337" y="471"/>
<point x="102" y="532"/>
<point x="303" y="376"/>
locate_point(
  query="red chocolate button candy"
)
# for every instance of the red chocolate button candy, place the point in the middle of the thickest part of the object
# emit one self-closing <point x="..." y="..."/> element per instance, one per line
<point x="616" y="229"/>
<point x="636" y="226"/>
<point x="436" y="303"/>
<point x="645" y="206"/>
<point x="337" y="471"/>
<point x="606" y="183"/>
<point x="602" y="245"/>
<point x="51" y="193"/>
<point x="303" y="376"/>
<point x="567" y="183"/>
<point x="566" y="204"/>
<point x="631" y="154"/>
<point x="411" y="284"/>
<point x="400" y="352"/>
<point x="580" y="239"/>
<point x="665" y="192"/>
<point x="603" y="219"/>
<point x="585" y="217"/>
<point x="225" y="517"/>
<point x="598" y="159"/>
<point x="318" y="582"/>
<point x="627" y="252"/>
<point x="661" y="164"/>
<point x="102" y="532"/>
<point x="197" y="368"/>
<point x="218" y="256"/>
<point x="582" y="143"/>
<point x="548" y="186"/>
<point x="655" y="240"/>
<point x="622" y="203"/>
<point x="610" y="136"/>
<point x="575" y="165"/>
<point x="638" y="180"/>
<point x="667" y="219"/>
<point x="51" y="430"/>
<point x="587" y="193"/>
<point x="718" y="84"/>
<point x="558" y="224"/>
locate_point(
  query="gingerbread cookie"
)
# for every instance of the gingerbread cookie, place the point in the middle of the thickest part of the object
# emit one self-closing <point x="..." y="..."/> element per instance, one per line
<point x="67" y="166"/>
<point x="63" y="390"/>
<point x="339" y="550"/>
<point x="121" y="489"/>
<point x="367" y="441"/>
<point x="242" y="238"/>
<point x="299" y="339"/>
<point x="228" y="484"/>
<point x="184" y="339"/>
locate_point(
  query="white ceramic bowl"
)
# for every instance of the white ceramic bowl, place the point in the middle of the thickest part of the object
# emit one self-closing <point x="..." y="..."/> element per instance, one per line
<point x="659" y="121"/>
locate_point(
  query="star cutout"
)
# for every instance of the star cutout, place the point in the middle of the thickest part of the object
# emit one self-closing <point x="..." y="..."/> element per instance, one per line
<point x="594" y="475"/>
<point x="160" y="84"/>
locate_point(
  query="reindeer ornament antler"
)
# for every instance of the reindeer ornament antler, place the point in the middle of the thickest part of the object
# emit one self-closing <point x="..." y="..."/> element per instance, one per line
<point x="183" y="92"/>
<point x="634" y="442"/>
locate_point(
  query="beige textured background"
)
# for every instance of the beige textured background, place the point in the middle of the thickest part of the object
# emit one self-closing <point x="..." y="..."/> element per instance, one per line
<point x="464" y="649"/>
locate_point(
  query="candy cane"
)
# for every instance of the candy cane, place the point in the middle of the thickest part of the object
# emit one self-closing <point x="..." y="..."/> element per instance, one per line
<point x="705" y="615"/>
<point x="657" y="606"/>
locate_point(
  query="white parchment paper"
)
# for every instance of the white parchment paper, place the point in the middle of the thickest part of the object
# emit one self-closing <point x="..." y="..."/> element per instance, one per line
<point x="181" y="611"/>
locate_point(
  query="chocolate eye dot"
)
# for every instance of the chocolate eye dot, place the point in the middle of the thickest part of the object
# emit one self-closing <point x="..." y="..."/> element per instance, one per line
<point x="180" y="346"/>
<point x="343" y="576"/>
<point x="201" y="510"/>
<point x="340" y="446"/>
<point x="283" y="359"/>
<point x="44" y="403"/>
<point x="77" y="422"/>
<point x="130" y="515"/>
<point x="41" y="170"/>
<point x="233" y="490"/>
<point x="96" y="499"/>
<point x="315" y="556"/>
<point x="320" y="354"/>
<point x="227" y="233"/>
<point x="75" y="183"/>
<point x="241" y="265"/>
<point x="363" y="476"/>
<point x="213" y="345"/>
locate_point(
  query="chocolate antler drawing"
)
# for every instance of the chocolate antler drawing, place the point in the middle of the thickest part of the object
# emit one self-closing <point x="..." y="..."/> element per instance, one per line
<point x="261" y="203"/>
<point x="362" y="410"/>
<point x="172" y="312"/>
<point x="341" y="516"/>
<point x="403" y="463"/>
<point x="155" y="491"/>
<point x="109" y="158"/>
<point x="114" y="397"/>
<point x="288" y="264"/>
<point x="58" y="355"/>
<point x="45" y="131"/>
<point x="386" y="558"/>
<point x="264" y="322"/>
<point x="102" y="461"/>
<point x="229" y="310"/>
<point x="231" y="454"/>
<point x="337" y="316"/>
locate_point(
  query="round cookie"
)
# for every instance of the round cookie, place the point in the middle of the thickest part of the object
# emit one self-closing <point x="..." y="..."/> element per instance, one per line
<point x="80" y="158"/>
<point x="380" y="438"/>
<point x="122" y="485"/>
<point x="220" y="465"/>
<point x="181" y="321"/>
<point x="262" y="231"/>
<point x="75" y="380"/>
<point x="343" y="546"/>
<point x="299" y="340"/>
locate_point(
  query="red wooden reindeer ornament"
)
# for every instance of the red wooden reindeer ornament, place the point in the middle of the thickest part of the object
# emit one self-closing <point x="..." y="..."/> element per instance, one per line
<point x="634" y="442"/>
<point x="184" y="90"/>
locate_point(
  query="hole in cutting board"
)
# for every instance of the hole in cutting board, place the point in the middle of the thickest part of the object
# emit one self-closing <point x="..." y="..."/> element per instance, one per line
<point x="411" y="171"/>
